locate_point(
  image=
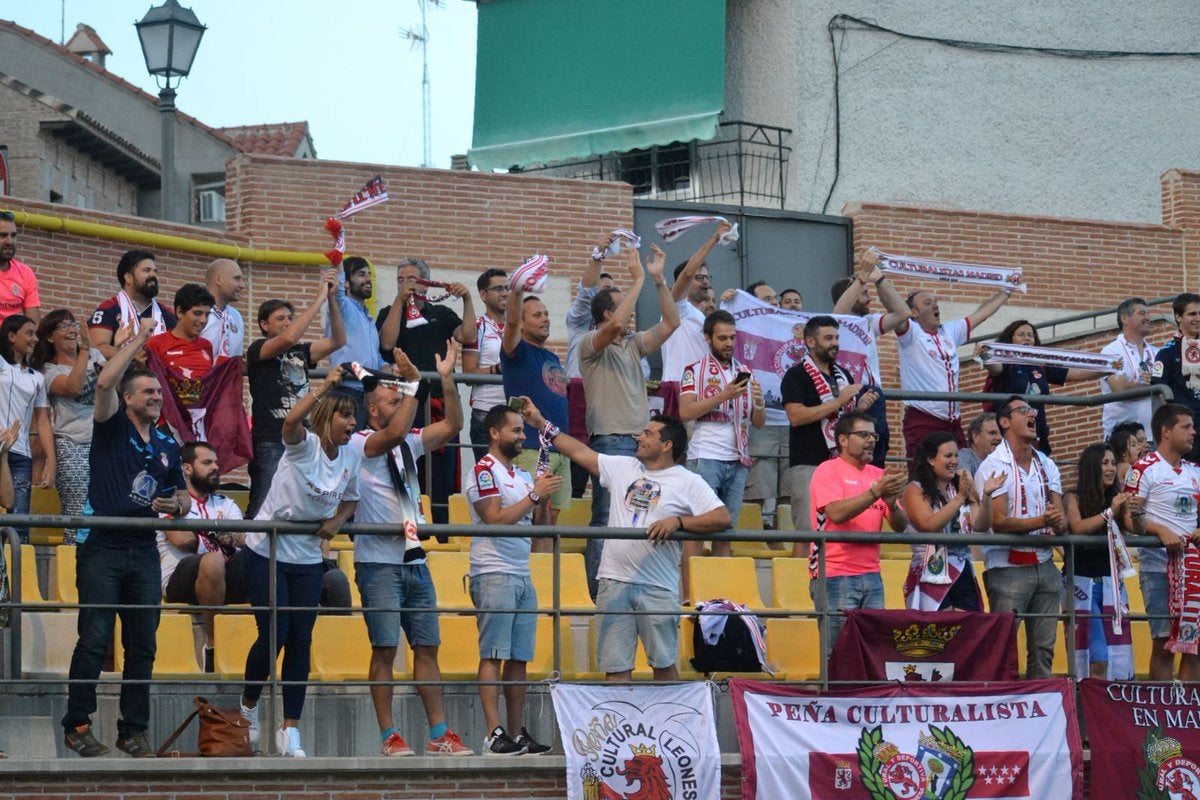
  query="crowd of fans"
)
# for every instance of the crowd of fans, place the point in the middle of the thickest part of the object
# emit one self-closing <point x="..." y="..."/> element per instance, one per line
<point x="118" y="413"/>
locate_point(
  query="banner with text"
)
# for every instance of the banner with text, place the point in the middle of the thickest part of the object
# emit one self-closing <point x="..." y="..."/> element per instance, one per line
<point x="770" y="340"/>
<point x="639" y="743"/>
<point x="1145" y="738"/>
<point x="903" y="645"/>
<point x="909" y="742"/>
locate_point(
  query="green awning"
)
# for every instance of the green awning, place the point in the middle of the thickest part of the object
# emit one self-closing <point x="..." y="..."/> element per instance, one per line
<point x="567" y="79"/>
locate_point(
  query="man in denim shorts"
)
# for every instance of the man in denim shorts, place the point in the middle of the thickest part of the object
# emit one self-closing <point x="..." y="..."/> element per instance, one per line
<point x="390" y="570"/>
<point x="501" y="493"/>
<point x="651" y="491"/>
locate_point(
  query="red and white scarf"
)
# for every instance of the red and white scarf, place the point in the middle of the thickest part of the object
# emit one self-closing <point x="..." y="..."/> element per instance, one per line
<point x="670" y="229"/>
<point x="413" y="316"/>
<point x="825" y="392"/>
<point x="1183" y="576"/>
<point x="372" y="194"/>
<point x="711" y="380"/>
<point x="530" y="276"/>
<point x="1027" y="505"/>
<point x="130" y="314"/>
<point x="631" y="240"/>
<point x="1001" y="353"/>
<point x="952" y="271"/>
<point x="1120" y="567"/>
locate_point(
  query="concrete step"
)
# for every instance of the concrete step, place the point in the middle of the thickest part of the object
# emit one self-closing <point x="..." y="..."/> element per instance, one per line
<point x="29" y="737"/>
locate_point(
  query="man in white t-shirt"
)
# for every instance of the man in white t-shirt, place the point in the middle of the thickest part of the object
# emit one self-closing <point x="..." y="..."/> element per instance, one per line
<point x="225" y="327"/>
<point x="1168" y="485"/>
<point x="1024" y="579"/>
<point x="929" y="363"/>
<point x="203" y="568"/>
<point x="650" y="491"/>
<point x="484" y="358"/>
<point x="1137" y="360"/>
<point x="690" y="289"/>
<point x="391" y="571"/>
<point x="501" y="493"/>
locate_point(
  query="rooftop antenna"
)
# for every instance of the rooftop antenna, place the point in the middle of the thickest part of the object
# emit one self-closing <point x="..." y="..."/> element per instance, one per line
<point x="420" y="38"/>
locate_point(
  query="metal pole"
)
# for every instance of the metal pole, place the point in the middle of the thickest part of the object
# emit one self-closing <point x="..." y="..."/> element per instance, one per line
<point x="166" y="108"/>
<point x="558" y="605"/>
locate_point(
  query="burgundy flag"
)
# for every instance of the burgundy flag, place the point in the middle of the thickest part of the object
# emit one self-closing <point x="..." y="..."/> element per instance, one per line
<point x="218" y="415"/>
<point x="914" y="646"/>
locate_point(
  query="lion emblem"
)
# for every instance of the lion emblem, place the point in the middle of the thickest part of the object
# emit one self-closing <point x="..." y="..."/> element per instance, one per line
<point x="646" y="770"/>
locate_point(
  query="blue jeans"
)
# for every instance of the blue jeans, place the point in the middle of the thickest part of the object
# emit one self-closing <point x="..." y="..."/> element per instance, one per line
<point x="726" y="478"/>
<point x="108" y="575"/>
<point x="267" y="454"/>
<point x="21" y="468"/>
<point x="610" y="445"/>
<point x="296" y="585"/>
<point x="845" y="592"/>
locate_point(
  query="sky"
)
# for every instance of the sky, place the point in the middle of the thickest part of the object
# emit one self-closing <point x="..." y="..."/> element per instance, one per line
<point x="344" y="67"/>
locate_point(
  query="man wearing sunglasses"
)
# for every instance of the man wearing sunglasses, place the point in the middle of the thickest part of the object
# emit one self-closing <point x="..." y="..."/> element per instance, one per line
<point x="18" y="284"/>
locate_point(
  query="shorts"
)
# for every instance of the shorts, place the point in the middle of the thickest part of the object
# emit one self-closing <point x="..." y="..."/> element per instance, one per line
<point x="398" y="586"/>
<point x="769" y="449"/>
<point x="1154" y="595"/>
<point x="505" y="636"/>
<point x="617" y="634"/>
<point x="560" y="465"/>
<point x="181" y="586"/>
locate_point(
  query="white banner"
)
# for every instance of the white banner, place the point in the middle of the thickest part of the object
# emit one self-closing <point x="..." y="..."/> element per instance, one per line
<point x="1009" y="741"/>
<point x="770" y="340"/>
<point x="630" y="743"/>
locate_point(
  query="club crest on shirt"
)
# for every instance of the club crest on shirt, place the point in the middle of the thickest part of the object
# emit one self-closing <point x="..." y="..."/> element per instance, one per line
<point x="485" y="480"/>
<point x="164" y="460"/>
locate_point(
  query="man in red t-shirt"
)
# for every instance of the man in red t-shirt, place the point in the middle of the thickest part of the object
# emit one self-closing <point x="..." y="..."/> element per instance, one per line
<point x="187" y="355"/>
<point x="850" y="494"/>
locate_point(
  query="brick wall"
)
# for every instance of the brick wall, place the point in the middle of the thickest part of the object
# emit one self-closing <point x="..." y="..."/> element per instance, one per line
<point x="1070" y="265"/>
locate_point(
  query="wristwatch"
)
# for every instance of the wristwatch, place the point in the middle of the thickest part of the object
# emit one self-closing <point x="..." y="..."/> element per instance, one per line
<point x="535" y="497"/>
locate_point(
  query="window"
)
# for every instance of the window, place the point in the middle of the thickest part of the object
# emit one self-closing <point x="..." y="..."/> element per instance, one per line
<point x="660" y="169"/>
<point x="212" y="206"/>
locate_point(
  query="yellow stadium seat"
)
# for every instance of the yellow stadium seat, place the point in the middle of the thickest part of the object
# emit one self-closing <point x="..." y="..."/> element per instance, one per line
<point x="750" y="518"/>
<point x="578" y="513"/>
<point x="573" y="588"/>
<point x="794" y="648"/>
<point x="460" y="511"/>
<point x="449" y="572"/>
<point x="176" y="653"/>
<point x="979" y="569"/>
<point x="542" y="665"/>
<point x="31" y="591"/>
<point x="783" y="518"/>
<point x="893" y="572"/>
<point x="239" y="496"/>
<point x="1137" y="604"/>
<point x="345" y="560"/>
<point x="48" y="641"/>
<point x="232" y="636"/>
<point x="341" y="542"/>
<point x="426" y="506"/>
<point x="44" y="500"/>
<point x="65" y="590"/>
<point x="341" y="650"/>
<point x="789" y="584"/>
<point x="458" y="657"/>
<point x="733" y="578"/>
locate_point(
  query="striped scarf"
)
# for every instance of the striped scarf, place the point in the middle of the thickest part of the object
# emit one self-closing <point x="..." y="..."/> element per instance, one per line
<point x="1183" y="576"/>
<point x="826" y="392"/>
<point x="711" y="380"/>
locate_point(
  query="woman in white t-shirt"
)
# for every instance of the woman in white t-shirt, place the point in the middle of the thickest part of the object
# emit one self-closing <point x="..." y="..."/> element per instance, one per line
<point x="316" y="481"/>
<point x="23" y="399"/>
<point x="69" y="366"/>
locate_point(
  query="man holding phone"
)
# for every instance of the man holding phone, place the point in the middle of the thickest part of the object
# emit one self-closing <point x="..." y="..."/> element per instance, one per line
<point x="719" y="394"/>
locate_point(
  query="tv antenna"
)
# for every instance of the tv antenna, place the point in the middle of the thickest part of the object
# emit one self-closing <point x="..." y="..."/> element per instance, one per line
<point x="419" y="37"/>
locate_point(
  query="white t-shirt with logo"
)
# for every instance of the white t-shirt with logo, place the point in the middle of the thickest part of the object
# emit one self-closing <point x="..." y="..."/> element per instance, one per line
<point x="509" y="556"/>
<point x="308" y="486"/>
<point x="637" y="498"/>
<point x="378" y="501"/>
<point x="1170" y="501"/>
<point x="686" y="344"/>
<point x="217" y="506"/>
<point x="488" y="335"/>
<point x="1027" y="494"/>
<point x="929" y="363"/>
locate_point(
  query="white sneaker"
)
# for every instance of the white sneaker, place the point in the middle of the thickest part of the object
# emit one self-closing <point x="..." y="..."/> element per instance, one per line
<point x="251" y="716"/>
<point x="287" y="742"/>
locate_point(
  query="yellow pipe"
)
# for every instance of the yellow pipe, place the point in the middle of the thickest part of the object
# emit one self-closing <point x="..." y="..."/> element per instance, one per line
<point x="162" y="241"/>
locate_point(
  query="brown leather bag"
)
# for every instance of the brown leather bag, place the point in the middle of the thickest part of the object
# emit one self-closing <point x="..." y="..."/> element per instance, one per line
<point x="223" y="732"/>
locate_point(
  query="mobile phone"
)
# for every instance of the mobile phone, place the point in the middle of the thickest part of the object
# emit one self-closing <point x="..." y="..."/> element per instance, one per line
<point x="516" y="404"/>
<point x="166" y="491"/>
<point x="742" y="377"/>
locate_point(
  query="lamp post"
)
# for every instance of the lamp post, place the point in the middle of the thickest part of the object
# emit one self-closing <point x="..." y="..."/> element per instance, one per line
<point x="170" y="36"/>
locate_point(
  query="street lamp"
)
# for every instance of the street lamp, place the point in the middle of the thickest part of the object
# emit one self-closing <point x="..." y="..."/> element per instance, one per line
<point x="170" y="37"/>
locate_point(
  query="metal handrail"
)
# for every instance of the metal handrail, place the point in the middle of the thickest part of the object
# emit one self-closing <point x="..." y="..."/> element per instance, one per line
<point x="1080" y="316"/>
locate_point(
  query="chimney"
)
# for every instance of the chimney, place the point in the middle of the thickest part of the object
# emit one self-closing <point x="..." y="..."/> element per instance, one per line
<point x="88" y="44"/>
<point x="459" y="162"/>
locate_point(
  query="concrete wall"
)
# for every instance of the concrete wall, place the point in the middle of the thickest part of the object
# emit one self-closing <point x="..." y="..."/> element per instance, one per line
<point x="1012" y="133"/>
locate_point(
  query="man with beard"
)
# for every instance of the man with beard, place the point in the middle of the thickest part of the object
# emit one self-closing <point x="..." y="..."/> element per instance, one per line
<point x="853" y="296"/>
<point x="502" y="493"/>
<point x="690" y="290"/>
<point x="137" y="275"/>
<point x="136" y="472"/>
<point x="816" y="393"/>
<point x="1024" y="580"/>
<point x="203" y="568"/>
<point x="362" y="339"/>
<point x="530" y="368"/>
<point x="1177" y="363"/>
<point x="791" y="300"/>
<point x="23" y="297"/>
<point x="225" y="329"/>
<point x="718" y="393"/>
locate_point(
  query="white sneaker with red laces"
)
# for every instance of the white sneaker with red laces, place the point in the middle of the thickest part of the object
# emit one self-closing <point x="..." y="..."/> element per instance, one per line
<point x="447" y="745"/>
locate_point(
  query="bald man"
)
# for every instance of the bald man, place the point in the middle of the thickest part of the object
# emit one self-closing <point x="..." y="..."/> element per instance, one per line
<point x="225" y="328"/>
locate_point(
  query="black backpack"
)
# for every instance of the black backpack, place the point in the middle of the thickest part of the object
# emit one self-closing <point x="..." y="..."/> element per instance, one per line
<point x="733" y="652"/>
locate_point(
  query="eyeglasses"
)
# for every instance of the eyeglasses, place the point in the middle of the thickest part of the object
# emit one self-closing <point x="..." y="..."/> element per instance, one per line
<point x="1027" y="411"/>
<point x="67" y="325"/>
<point x="702" y="278"/>
<point x="866" y="435"/>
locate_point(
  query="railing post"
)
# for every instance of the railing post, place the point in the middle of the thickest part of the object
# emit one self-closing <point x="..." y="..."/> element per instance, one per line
<point x="557" y="590"/>
<point x="1069" y="569"/>
<point x="14" y="625"/>
<point x="273" y="606"/>
<point x="823" y="615"/>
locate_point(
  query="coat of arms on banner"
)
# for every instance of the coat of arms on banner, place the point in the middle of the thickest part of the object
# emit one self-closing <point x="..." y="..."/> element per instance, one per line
<point x="916" y="642"/>
<point x="646" y="745"/>
<point x="1168" y="772"/>
<point x="943" y="767"/>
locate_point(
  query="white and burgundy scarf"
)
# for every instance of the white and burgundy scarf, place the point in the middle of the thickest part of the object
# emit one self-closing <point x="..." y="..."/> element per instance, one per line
<point x="631" y="240"/>
<point x="827" y="393"/>
<point x="1118" y="643"/>
<point x="530" y="276"/>
<point x="1183" y="576"/>
<point x="952" y="271"/>
<point x="1120" y="567"/>
<point x="413" y="316"/>
<point x="1001" y="353"/>
<point x="670" y="229"/>
<point x="935" y="569"/>
<point x="130" y="314"/>
<point x="711" y="379"/>
<point x="1026" y="504"/>
<point x="1189" y="362"/>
